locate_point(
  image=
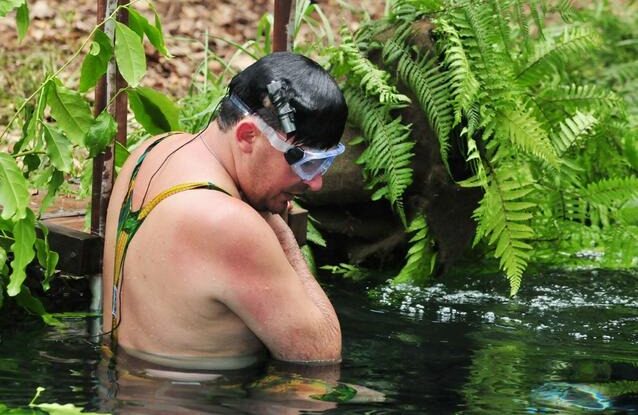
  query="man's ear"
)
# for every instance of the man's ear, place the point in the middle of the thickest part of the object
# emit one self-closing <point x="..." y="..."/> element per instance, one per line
<point x="246" y="133"/>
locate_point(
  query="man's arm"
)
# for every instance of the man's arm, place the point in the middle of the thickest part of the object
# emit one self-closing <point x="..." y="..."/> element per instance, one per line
<point x="291" y="249"/>
<point x="262" y="277"/>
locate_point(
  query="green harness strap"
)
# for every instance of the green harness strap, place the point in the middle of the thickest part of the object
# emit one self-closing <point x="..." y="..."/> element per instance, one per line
<point x="129" y="223"/>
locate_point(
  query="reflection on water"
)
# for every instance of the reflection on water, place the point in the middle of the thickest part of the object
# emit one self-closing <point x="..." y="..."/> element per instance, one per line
<point x="566" y="345"/>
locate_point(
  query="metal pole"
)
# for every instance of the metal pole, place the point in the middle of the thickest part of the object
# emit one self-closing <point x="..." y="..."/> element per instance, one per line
<point x="281" y="39"/>
<point x="103" y="164"/>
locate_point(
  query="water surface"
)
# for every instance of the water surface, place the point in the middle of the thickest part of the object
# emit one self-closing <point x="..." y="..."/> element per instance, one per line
<point x="567" y="344"/>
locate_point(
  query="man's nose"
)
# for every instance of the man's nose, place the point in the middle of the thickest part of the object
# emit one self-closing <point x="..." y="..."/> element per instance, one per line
<point x="315" y="183"/>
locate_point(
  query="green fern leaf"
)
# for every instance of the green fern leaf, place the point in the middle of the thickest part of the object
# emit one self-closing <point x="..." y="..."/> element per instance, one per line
<point x="503" y="219"/>
<point x="387" y="158"/>
<point x="427" y="83"/>
<point x="524" y="131"/>
<point x="600" y="202"/>
<point x="371" y="79"/>
<point x="420" y="259"/>
<point x="580" y="97"/>
<point x="621" y="72"/>
<point x="571" y="130"/>
<point x="551" y="55"/>
<point x="464" y="85"/>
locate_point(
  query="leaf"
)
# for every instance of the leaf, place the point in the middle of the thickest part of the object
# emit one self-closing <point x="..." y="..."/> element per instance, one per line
<point x="58" y="149"/>
<point x="32" y="128"/>
<point x="71" y="111"/>
<point x="56" y="408"/>
<point x="140" y="25"/>
<point x="22" y="20"/>
<point x="100" y="134"/>
<point x="96" y="62"/>
<point x="8" y="5"/>
<point x="129" y="54"/>
<point x="46" y="258"/>
<point x="154" y="111"/>
<point x="57" y="178"/>
<point x="631" y="150"/>
<point x="136" y="22"/>
<point x="22" y="247"/>
<point x="121" y="154"/>
<point x="33" y="305"/>
<point x="420" y="258"/>
<point x="14" y="194"/>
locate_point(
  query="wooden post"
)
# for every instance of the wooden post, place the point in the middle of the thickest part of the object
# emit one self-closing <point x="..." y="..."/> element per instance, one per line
<point x="281" y="38"/>
<point x="103" y="164"/>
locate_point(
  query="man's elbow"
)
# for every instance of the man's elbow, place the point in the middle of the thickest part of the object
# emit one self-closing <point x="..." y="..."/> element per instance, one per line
<point x="319" y="347"/>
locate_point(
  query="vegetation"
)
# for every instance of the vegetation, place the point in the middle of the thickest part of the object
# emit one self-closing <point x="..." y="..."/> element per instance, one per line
<point x="551" y="139"/>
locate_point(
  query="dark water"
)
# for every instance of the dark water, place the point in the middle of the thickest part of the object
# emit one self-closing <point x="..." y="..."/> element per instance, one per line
<point x="568" y="344"/>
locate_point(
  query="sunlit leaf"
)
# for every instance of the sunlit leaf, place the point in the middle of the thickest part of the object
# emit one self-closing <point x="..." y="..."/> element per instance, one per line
<point x="140" y="25"/>
<point x="33" y="305"/>
<point x="22" y="247"/>
<point x="8" y="5"/>
<point x="58" y="148"/>
<point x="71" y="111"/>
<point x="96" y="61"/>
<point x="129" y="54"/>
<point x="159" y="43"/>
<point x="57" y="178"/>
<point x="22" y="20"/>
<point x="121" y="154"/>
<point x="56" y="408"/>
<point x="136" y="22"/>
<point x="34" y="123"/>
<point x="154" y="110"/>
<point x="631" y="151"/>
<point x="100" y="134"/>
<point x="14" y="194"/>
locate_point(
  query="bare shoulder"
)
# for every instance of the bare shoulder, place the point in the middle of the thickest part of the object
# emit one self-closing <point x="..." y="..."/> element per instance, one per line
<point x="234" y="223"/>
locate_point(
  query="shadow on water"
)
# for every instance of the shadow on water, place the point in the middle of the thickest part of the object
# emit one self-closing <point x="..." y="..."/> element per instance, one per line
<point x="567" y="344"/>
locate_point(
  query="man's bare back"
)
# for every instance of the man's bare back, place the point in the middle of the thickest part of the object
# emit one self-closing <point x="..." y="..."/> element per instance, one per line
<point x="212" y="278"/>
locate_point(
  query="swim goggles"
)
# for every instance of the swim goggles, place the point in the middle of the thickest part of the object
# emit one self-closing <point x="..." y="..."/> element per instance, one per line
<point x="307" y="163"/>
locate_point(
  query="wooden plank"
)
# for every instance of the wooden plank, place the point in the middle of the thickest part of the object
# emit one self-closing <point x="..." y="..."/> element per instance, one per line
<point x="80" y="252"/>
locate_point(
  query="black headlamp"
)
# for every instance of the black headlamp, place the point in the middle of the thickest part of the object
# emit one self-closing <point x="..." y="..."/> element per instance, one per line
<point x="286" y="114"/>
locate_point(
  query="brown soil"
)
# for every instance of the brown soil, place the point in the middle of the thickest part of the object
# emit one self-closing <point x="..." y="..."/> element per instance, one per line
<point x="58" y="28"/>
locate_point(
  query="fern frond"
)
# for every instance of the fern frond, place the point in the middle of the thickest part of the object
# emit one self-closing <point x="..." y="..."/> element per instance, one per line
<point x="552" y="54"/>
<point x="503" y="219"/>
<point x="411" y="10"/>
<point x="524" y="131"/>
<point x="476" y="164"/>
<point x="580" y="97"/>
<point x="427" y="83"/>
<point x="389" y="153"/>
<point x="431" y="89"/>
<point x="571" y="130"/>
<point x="537" y="11"/>
<point x="464" y="85"/>
<point x="371" y="79"/>
<point x="566" y="10"/>
<point x="420" y="259"/>
<point x="499" y="8"/>
<point x="521" y="20"/>
<point x="621" y="72"/>
<point x="599" y="202"/>
<point x="477" y="27"/>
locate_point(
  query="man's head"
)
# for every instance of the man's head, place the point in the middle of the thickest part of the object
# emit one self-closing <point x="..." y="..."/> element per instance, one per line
<point x="319" y="108"/>
<point x="298" y="109"/>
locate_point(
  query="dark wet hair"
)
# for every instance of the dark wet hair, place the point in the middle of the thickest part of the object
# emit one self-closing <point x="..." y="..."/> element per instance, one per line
<point x="320" y="110"/>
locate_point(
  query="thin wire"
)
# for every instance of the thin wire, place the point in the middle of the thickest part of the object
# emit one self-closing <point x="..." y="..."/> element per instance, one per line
<point x="121" y="288"/>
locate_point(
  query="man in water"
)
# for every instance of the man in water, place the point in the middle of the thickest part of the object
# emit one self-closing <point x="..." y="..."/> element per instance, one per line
<point x="200" y="271"/>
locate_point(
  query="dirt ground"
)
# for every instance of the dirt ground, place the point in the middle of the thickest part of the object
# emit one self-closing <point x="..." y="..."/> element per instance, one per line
<point x="58" y="28"/>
